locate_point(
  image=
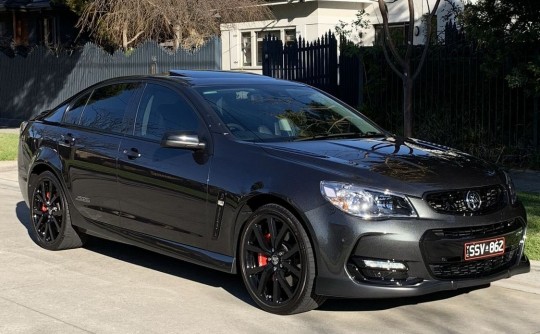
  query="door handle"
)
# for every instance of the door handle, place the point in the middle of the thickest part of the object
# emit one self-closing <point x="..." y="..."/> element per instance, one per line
<point x="68" y="139"/>
<point x="132" y="153"/>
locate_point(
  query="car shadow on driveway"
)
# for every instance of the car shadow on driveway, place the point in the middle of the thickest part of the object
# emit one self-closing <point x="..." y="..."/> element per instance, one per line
<point x="231" y="283"/>
<point x="23" y="214"/>
<point x="367" y="305"/>
<point x="148" y="259"/>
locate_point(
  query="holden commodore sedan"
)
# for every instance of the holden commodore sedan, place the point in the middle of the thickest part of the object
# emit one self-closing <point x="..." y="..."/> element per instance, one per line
<point x="300" y="194"/>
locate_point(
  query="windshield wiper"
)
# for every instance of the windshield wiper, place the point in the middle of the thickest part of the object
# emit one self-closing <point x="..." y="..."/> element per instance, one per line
<point x="344" y="135"/>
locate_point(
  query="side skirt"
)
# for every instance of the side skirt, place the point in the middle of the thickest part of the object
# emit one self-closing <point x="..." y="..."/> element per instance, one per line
<point x="166" y="247"/>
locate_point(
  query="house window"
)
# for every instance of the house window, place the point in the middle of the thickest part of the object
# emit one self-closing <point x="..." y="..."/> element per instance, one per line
<point x="290" y="36"/>
<point x="21" y="31"/>
<point x="49" y="31"/>
<point x="3" y="28"/>
<point x="252" y="44"/>
<point x="398" y="33"/>
<point x="246" y="48"/>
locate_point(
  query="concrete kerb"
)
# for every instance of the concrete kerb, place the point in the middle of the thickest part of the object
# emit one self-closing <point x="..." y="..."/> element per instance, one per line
<point x="9" y="130"/>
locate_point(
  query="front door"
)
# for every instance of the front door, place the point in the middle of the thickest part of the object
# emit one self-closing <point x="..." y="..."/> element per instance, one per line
<point x="163" y="190"/>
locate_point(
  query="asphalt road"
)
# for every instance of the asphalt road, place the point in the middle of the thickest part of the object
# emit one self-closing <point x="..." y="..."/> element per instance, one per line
<point x="113" y="288"/>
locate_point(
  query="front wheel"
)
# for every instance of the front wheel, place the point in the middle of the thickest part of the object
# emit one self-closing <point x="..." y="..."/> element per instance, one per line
<point x="49" y="213"/>
<point x="277" y="262"/>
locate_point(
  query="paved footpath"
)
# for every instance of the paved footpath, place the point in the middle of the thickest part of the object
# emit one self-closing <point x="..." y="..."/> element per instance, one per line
<point x="526" y="180"/>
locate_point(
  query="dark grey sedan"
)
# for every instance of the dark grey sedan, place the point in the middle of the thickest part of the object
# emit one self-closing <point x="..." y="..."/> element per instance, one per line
<point x="278" y="181"/>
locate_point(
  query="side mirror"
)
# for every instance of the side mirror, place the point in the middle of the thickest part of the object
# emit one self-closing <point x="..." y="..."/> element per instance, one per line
<point x="183" y="140"/>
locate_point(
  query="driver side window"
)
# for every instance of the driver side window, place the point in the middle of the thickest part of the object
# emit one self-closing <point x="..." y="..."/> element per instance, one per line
<point x="163" y="110"/>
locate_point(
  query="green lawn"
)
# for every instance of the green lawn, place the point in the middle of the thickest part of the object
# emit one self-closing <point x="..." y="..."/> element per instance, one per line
<point x="8" y="146"/>
<point x="532" y="205"/>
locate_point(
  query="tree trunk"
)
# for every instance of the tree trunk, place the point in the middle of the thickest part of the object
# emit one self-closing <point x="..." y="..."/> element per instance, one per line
<point x="536" y="121"/>
<point x="124" y="37"/>
<point x="407" y="101"/>
<point x="177" y="37"/>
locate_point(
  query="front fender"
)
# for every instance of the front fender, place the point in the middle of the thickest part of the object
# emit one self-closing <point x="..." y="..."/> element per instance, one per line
<point x="251" y="202"/>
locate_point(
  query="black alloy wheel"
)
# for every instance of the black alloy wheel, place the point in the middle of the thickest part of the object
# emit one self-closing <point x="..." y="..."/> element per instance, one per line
<point x="50" y="215"/>
<point x="277" y="262"/>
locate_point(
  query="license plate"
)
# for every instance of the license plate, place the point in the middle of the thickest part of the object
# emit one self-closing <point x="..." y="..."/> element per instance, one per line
<point x="484" y="248"/>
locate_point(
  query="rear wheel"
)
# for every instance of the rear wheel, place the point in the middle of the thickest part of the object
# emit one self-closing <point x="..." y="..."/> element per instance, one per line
<point x="277" y="262"/>
<point x="49" y="213"/>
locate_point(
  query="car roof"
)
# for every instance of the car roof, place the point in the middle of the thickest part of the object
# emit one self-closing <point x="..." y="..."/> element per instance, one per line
<point x="203" y="78"/>
<point x="210" y="77"/>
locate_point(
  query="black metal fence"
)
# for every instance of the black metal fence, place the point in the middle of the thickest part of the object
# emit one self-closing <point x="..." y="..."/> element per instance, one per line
<point x="314" y="63"/>
<point x="43" y="79"/>
<point x="455" y="102"/>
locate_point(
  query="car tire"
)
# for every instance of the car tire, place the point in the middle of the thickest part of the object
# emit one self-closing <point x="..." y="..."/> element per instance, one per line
<point x="49" y="214"/>
<point x="277" y="262"/>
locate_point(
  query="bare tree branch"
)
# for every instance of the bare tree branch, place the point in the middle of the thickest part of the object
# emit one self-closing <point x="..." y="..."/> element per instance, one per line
<point x="428" y="36"/>
<point x="188" y="23"/>
<point x="391" y="63"/>
<point x="387" y="38"/>
<point x="410" y="36"/>
<point x="405" y="62"/>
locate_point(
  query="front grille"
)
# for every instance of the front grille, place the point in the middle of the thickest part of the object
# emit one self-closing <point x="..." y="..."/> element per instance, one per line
<point x="455" y="202"/>
<point x="474" y="269"/>
<point x="477" y="231"/>
<point x="444" y="250"/>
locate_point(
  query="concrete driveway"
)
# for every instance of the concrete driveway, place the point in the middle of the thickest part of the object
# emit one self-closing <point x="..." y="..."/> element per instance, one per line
<point x="113" y="288"/>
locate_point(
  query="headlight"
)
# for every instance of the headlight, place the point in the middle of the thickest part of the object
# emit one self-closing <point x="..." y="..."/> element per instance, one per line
<point x="366" y="203"/>
<point x="512" y="195"/>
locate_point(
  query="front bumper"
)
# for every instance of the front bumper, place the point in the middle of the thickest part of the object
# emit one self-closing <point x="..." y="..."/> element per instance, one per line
<point x="348" y="288"/>
<point x="431" y="247"/>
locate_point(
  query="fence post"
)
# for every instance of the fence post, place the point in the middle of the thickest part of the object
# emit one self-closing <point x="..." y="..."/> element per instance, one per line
<point x="153" y="65"/>
<point x="536" y="120"/>
<point x="217" y="53"/>
<point x="333" y="62"/>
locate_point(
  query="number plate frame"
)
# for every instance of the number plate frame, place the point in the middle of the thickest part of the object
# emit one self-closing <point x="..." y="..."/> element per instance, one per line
<point x="484" y="248"/>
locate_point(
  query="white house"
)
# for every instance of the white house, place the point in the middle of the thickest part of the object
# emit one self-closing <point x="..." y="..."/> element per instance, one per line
<point x="310" y="19"/>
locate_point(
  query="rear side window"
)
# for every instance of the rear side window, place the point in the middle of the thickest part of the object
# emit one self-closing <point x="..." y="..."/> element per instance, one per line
<point x="73" y="115"/>
<point x="163" y="110"/>
<point x="106" y="107"/>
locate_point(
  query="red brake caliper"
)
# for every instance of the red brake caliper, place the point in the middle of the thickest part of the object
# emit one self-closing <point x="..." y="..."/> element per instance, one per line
<point x="263" y="260"/>
<point x="43" y="207"/>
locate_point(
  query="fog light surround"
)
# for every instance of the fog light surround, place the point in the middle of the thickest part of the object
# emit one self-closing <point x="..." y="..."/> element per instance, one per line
<point x="380" y="271"/>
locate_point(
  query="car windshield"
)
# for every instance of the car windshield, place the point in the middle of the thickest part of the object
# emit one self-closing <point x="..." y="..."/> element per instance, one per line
<point x="285" y="113"/>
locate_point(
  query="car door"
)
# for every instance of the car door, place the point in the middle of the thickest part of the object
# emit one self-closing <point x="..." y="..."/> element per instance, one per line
<point x="94" y="126"/>
<point x="163" y="190"/>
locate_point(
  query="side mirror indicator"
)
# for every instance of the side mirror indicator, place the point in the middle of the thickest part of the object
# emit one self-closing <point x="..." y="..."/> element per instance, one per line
<point x="187" y="141"/>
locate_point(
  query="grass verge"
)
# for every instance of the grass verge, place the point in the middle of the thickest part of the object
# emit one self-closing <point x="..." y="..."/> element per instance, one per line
<point x="8" y="146"/>
<point x="532" y="205"/>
